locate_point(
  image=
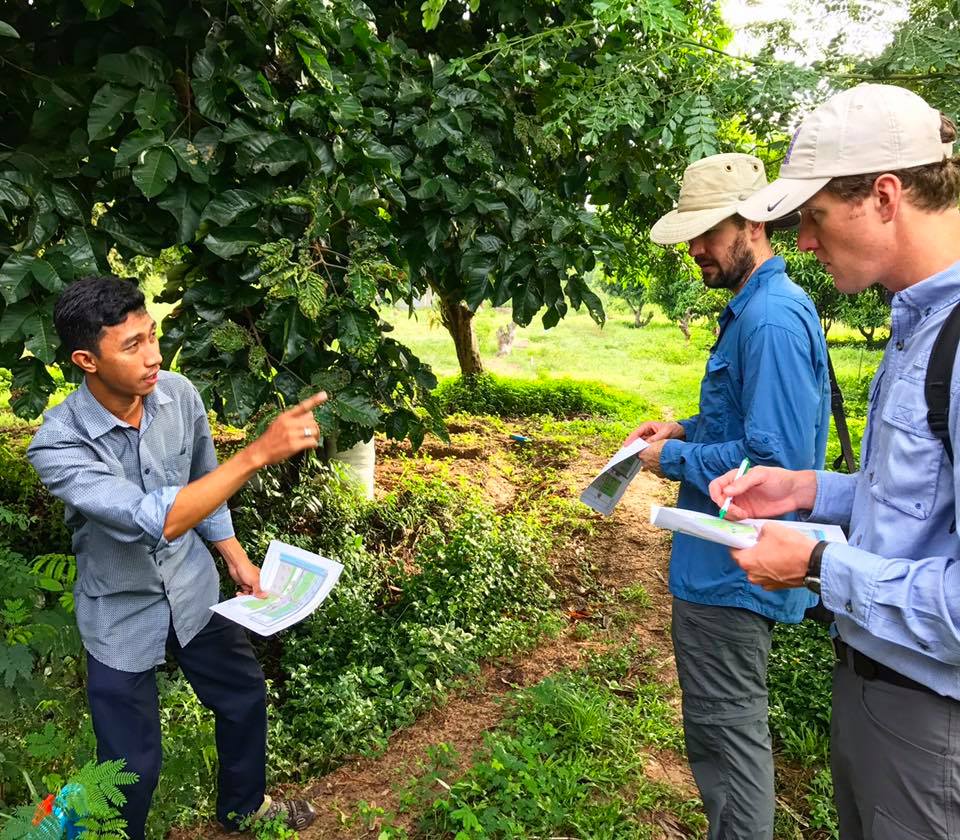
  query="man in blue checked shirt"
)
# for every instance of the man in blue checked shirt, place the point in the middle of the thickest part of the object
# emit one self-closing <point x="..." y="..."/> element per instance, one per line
<point x="130" y="455"/>
<point x="765" y="397"/>
<point x="874" y="174"/>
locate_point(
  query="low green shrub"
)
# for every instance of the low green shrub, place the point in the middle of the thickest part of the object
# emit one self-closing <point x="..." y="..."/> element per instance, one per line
<point x="433" y="582"/>
<point x="569" y="762"/>
<point x="506" y="397"/>
<point x="799" y="676"/>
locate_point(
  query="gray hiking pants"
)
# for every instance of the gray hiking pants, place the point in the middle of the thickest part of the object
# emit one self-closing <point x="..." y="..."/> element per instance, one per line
<point x="896" y="760"/>
<point x="721" y="655"/>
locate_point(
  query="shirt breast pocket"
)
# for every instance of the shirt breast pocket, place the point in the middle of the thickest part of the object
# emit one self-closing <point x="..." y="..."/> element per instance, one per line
<point x="715" y="401"/>
<point x="176" y="467"/>
<point x="907" y="473"/>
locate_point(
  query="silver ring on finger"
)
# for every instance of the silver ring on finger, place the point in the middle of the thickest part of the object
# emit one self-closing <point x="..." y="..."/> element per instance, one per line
<point x="307" y="432"/>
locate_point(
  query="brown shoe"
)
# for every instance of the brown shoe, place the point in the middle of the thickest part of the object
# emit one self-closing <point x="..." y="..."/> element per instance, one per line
<point x="299" y="813"/>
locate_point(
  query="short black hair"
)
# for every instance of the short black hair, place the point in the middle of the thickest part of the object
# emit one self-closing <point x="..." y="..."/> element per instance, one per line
<point x="92" y="303"/>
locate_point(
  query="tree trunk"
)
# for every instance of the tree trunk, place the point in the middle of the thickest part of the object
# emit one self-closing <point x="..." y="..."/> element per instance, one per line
<point x="685" y="324"/>
<point x="458" y="320"/>
<point x="638" y="320"/>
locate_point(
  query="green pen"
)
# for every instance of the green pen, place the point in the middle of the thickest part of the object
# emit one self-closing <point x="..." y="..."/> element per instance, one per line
<point x="744" y="464"/>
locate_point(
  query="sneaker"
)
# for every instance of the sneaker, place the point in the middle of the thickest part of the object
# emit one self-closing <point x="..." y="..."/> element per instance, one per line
<point x="298" y="813"/>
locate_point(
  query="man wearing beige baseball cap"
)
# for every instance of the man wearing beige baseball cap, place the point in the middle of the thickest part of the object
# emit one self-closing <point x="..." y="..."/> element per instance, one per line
<point x="765" y="399"/>
<point x="873" y="173"/>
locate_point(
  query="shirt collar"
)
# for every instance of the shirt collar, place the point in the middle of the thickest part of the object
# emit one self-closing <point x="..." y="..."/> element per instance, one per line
<point x="774" y="265"/>
<point x="922" y="299"/>
<point x="98" y="421"/>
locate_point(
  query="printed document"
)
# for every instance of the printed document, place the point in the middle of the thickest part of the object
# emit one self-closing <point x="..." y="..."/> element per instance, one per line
<point x="742" y="534"/>
<point x="296" y="581"/>
<point x="606" y="489"/>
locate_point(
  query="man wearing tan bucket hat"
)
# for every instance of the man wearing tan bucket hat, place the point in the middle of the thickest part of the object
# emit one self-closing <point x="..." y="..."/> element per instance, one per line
<point x="873" y="173"/>
<point x="765" y="397"/>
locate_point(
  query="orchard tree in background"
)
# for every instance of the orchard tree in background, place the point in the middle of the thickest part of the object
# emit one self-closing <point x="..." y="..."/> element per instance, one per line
<point x="309" y="166"/>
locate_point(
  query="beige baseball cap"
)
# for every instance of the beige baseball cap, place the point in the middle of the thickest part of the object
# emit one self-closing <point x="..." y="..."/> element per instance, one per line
<point x="867" y="128"/>
<point x="713" y="189"/>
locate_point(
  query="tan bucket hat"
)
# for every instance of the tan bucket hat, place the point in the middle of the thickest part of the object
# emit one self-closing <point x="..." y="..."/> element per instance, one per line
<point x="712" y="190"/>
<point x="867" y="128"/>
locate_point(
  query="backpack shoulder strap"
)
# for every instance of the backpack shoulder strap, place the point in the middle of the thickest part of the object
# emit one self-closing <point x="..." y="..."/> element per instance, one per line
<point x="845" y="458"/>
<point x="936" y="388"/>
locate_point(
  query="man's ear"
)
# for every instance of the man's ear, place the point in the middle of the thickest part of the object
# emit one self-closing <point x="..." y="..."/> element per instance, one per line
<point x="85" y="360"/>
<point x="756" y="231"/>
<point x="887" y="195"/>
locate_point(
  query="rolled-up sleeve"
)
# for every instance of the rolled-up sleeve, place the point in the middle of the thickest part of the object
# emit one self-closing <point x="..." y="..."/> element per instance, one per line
<point x="219" y="524"/>
<point x="781" y="404"/>
<point x="71" y="471"/>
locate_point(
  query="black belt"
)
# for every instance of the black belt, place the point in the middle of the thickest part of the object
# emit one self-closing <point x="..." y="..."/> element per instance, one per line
<point x="870" y="669"/>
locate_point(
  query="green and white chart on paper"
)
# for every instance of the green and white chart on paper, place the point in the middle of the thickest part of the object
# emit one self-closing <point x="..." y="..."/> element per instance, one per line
<point x="742" y="534"/>
<point x="607" y="488"/>
<point x="296" y="583"/>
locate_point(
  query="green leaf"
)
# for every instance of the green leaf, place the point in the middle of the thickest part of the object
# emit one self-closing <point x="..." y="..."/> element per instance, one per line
<point x="130" y="69"/>
<point x="135" y="143"/>
<point x="428" y="189"/>
<point x="190" y="160"/>
<point x="15" y="277"/>
<point x="31" y="387"/>
<point x="46" y="276"/>
<point x="154" y="108"/>
<point x="158" y="169"/>
<point x="137" y="237"/>
<point x="184" y="201"/>
<point x="209" y="96"/>
<point x="241" y="394"/>
<point x="106" y="110"/>
<point x="40" y="337"/>
<point x="230" y="241"/>
<point x="40" y="228"/>
<point x="358" y="333"/>
<point x="67" y="202"/>
<point x="13" y="195"/>
<point x="279" y="156"/>
<point x="230" y="204"/>
<point x="355" y="408"/>
<point x="79" y="248"/>
<point x="7" y="31"/>
<point x="311" y="294"/>
<point x="317" y="65"/>
<point x="13" y="318"/>
<point x="15" y="662"/>
<point x="363" y="287"/>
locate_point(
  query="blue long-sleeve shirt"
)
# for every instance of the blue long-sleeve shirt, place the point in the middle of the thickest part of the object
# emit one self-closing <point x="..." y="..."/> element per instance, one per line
<point x="895" y="589"/>
<point x="118" y="484"/>
<point x="766" y="397"/>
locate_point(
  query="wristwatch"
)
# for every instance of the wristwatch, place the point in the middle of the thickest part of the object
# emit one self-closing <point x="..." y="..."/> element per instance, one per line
<point x="812" y="578"/>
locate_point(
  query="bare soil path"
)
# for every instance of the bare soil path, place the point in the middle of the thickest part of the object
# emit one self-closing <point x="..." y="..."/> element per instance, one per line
<point x="622" y="551"/>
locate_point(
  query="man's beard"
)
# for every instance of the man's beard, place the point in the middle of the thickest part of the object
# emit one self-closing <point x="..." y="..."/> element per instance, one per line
<point x="740" y="268"/>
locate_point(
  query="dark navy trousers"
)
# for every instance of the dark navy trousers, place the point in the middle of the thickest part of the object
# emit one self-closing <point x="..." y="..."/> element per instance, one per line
<point x="220" y="665"/>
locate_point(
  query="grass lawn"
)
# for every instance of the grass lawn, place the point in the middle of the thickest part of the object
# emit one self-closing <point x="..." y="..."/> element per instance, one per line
<point x="654" y="362"/>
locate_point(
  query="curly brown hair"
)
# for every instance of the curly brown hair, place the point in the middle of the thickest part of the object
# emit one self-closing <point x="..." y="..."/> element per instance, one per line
<point x="933" y="186"/>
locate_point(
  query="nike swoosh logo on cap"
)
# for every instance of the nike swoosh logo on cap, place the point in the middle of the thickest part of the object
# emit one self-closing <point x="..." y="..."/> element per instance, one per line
<point x="772" y="207"/>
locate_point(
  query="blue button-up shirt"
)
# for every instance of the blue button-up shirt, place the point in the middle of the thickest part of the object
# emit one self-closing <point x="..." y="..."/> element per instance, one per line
<point x="118" y="484"/>
<point x="895" y="589"/>
<point x="766" y="397"/>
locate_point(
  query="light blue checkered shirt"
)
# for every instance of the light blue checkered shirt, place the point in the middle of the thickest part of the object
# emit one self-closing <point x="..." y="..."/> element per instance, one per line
<point x="118" y="484"/>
